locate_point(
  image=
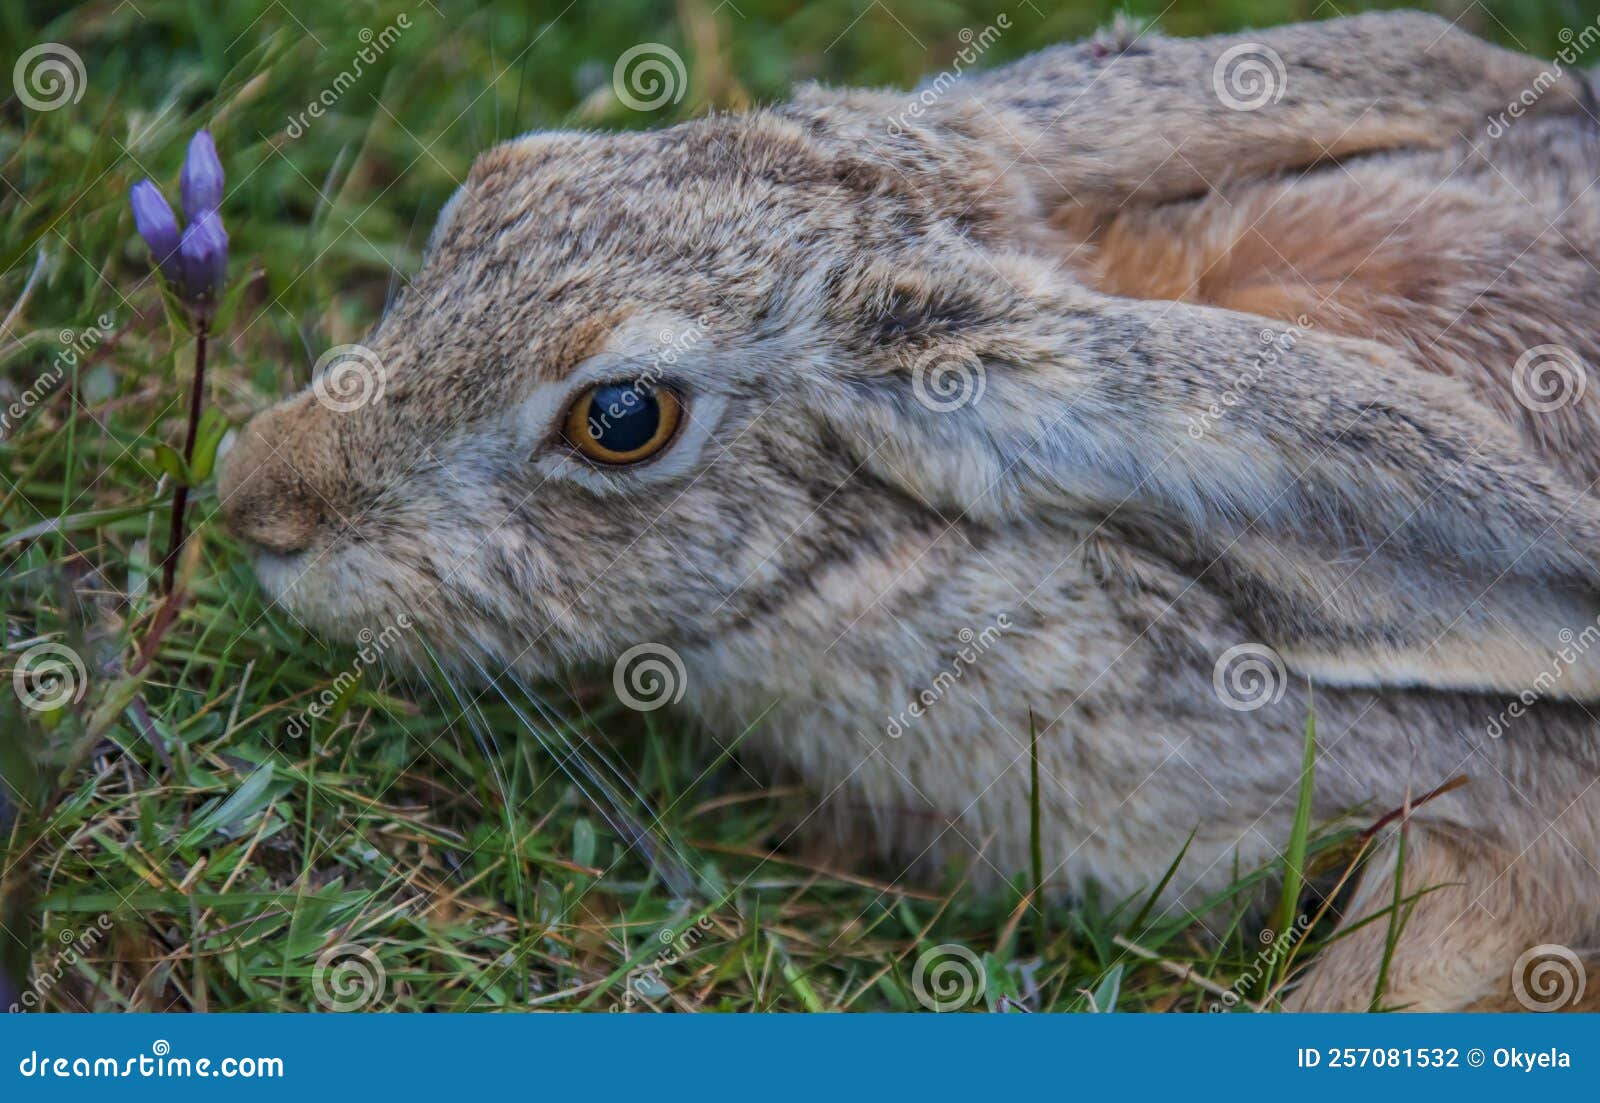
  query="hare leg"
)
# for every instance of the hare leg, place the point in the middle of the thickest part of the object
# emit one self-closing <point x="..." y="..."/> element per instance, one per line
<point x="1483" y="912"/>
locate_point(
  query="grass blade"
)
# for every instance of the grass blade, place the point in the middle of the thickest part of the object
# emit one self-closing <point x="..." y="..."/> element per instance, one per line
<point x="1294" y="859"/>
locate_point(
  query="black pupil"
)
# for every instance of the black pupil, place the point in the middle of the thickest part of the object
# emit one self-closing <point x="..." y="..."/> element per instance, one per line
<point x="623" y="417"/>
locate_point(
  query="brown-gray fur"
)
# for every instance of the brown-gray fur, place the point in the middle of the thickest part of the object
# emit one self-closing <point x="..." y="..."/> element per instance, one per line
<point x="1374" y="507"/>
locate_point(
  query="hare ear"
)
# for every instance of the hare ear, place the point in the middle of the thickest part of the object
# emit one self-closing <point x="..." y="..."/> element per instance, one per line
<point x="1372" y="522"/>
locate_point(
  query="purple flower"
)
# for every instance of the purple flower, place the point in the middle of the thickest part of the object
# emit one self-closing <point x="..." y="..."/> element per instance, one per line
<point x="203" y="260"/>
<point x="156" y="223"/>
<point x="201" y="181"/>
<point x="195" y="262"/>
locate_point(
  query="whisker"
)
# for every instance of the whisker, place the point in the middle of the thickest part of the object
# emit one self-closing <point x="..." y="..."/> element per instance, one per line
<point x="554" y="718"/>
<point x="613" y="808"/>
<point x="591" y="747"/>
<point x="476" y="723"/>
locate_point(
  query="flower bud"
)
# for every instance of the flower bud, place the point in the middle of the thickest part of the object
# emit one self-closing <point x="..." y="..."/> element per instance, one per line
<point x="156" y="223"/>
<point x="201" y="180"/>
<point x="203" y="260"/>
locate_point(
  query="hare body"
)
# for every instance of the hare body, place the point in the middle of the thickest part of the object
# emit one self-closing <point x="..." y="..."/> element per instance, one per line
<point x="1466" y="259"/>
<point x="1125" y="498"/>
<point x="1116" y="656"/>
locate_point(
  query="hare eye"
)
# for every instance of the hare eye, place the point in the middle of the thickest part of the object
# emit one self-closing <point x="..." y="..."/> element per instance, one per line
<point x="622" y="423"/>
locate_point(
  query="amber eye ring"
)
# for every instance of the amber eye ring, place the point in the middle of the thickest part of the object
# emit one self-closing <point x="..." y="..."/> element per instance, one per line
<point x="617" y="424"/>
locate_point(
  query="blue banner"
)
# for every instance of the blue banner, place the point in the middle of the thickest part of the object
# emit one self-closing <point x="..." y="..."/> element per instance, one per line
<point x="797" y="1057"/>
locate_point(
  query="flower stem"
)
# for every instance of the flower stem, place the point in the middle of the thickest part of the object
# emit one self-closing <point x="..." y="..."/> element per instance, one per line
<point x="180" y="496"/>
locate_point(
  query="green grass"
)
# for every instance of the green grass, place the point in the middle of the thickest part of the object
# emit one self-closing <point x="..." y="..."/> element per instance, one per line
<point x="167" y="845"/>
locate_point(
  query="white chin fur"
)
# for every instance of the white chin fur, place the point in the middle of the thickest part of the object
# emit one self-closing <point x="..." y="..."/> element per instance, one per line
<point x="322" y="589"/>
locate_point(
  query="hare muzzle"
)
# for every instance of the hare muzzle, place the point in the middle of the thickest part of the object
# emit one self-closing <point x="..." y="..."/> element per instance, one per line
<point x="263" y="486"/>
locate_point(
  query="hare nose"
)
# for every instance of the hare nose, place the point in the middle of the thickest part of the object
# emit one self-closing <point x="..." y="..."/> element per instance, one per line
<point x="262" y="486"/>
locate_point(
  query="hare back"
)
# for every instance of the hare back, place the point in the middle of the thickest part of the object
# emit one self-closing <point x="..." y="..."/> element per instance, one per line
<point x="1481" y="262"/>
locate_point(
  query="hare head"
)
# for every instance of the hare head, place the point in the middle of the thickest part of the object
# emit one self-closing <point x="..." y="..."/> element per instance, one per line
<point x="621" y="399"/>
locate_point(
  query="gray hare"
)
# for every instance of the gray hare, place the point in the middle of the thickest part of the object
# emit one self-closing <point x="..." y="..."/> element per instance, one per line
<point x="1096" y="387"/>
